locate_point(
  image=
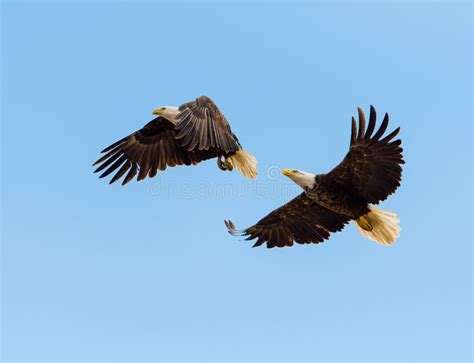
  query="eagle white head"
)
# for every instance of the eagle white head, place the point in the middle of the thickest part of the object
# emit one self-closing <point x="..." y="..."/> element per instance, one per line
<point x="302" y="178"/>
<point x="168" y="112"/>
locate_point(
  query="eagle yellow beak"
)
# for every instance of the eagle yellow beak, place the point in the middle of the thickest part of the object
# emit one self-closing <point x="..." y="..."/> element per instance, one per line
<point x="287" y="172"/>
<point x="158" y="111"/>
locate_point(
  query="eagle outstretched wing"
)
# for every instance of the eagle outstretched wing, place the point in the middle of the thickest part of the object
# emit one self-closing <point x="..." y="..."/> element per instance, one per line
<point x="301" y="220"/>
<point x="152" y="148"/>
<point x="371" y="168"/>
<point x="202" y="126"/>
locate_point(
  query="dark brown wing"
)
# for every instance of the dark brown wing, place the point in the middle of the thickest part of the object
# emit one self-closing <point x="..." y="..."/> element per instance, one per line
<point x="146" y="151"/>
<point x="371" y="168"/>
<point x="203" y="126"/>
<point x="301" y="220"/>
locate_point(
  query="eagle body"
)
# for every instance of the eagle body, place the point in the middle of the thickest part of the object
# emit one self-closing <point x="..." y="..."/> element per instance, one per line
<point x="331" y="194"/>
<point x="368" y="174"/>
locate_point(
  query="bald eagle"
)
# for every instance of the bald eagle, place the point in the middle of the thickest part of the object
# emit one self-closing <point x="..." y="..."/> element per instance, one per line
<point x="184" y="135"/>
<point x="369" y="173"/>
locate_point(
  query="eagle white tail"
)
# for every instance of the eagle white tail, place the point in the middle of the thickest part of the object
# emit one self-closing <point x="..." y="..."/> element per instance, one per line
<point x="379" y="225"/>
<point x="244" y="162"/>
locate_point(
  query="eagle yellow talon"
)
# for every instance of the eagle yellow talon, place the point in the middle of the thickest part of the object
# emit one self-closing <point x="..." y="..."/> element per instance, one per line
<point x="228" y="165"/>
<point x="220" y="164"/>
<point x="364" y="223"/>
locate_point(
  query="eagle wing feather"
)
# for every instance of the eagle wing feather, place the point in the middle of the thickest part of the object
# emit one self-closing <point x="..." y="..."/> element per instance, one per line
<point x="372" y="167"/>
<point x="301" y="220"/>
<point x="202" y="126"/>
<point x="152" y="148"/>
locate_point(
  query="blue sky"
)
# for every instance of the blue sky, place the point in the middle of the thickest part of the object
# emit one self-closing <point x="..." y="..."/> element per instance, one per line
<point x="148" y="271"/>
